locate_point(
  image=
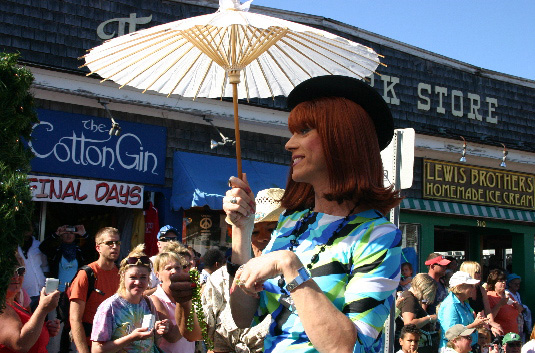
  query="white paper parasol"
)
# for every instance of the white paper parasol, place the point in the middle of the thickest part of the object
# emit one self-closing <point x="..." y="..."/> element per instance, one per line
<point x="230" y="53"/>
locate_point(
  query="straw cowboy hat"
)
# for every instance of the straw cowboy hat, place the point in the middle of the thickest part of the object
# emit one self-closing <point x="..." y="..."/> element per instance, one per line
<point x="268" y="206"/>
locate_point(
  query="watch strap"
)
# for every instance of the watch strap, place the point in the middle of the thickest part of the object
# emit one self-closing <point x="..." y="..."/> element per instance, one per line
<point x="302" y="277"/>
<point x="232" y="268"/>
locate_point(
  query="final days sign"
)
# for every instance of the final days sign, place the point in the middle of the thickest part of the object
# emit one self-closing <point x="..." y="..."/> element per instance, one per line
<point x="86" y="192"/>
<point x="80" y="145"/>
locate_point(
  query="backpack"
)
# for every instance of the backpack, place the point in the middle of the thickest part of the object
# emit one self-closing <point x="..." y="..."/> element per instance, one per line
<point x="64" y="302"/>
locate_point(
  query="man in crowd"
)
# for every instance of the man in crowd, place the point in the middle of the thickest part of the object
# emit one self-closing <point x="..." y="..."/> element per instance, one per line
<point x="36" y="265"/>
<point x="166" y="234"/>
<point x="437" y="265"/>
<point x="83" y="305"/>
<point x="511" y="343"/>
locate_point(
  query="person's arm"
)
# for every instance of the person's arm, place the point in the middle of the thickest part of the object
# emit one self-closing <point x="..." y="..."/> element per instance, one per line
<point x="76" y="311"/>
<point x="173" y="334"/>
<point x="21" y="338"/>
<point x="497" y="304"/>
<point x="243" y="306"/>
<point x="410" y="318"/>
<point x="368" y="294"/>
<point x="120" y="343"/>
<point x="182" y="311"/>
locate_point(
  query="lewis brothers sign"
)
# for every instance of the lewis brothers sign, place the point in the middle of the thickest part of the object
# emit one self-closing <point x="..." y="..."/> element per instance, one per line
<point x="471" y="184"/>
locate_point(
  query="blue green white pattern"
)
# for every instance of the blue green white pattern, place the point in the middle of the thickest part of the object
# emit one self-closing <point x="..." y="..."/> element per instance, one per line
<point x="359" y="271"/>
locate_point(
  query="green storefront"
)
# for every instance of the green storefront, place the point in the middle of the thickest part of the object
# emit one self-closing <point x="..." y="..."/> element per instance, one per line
<point x="489" y="220"/>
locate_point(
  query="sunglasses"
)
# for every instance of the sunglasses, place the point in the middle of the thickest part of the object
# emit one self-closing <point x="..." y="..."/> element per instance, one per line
<point x="111" y="243"/>
<point x="139" y="261"/>
<point x="166" y="239"/>
<point x="514" y="344"/>
<point x="20" y="271"/>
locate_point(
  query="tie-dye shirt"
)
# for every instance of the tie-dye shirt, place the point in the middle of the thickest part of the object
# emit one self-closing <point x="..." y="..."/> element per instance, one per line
<point x="359" y="271"/>
<point x="116" y="318"/>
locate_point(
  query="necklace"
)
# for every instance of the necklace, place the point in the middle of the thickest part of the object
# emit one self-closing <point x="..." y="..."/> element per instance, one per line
<point x="300" y="228"/>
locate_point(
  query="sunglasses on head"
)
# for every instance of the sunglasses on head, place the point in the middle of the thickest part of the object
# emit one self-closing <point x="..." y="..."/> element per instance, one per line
<point x="166" y="239"/>
<point x="111" y="243"/>
<point x="138" y="260"/>
<point x="20" y="271"/>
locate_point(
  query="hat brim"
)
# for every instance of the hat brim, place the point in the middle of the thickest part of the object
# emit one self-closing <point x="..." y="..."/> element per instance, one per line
<point x="353" y="89"/>
<point x="467" y="332"/>
<point x="443" y="262"/>
<point x="272" y="216"/>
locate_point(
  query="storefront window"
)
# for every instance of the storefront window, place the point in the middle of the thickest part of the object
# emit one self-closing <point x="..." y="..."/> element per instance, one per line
<point x="409" y="244"/>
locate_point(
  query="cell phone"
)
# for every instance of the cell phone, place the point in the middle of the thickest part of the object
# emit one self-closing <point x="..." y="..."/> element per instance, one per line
<point x="148" y="321"/>
<point x="70" y="229"/>
<point x="51" y="285"/>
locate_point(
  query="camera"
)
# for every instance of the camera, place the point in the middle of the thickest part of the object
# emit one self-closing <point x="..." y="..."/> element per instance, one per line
<point x="498" y="341"/>
<point x="70" y="229"/>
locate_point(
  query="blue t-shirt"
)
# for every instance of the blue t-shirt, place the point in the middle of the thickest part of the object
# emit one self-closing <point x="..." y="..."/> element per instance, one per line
<point x="359" y="271"/>
<point x="67" y="271"/>
<point x="452" y="312"/>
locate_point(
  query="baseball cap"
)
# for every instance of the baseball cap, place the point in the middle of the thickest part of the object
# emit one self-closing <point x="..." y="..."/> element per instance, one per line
<point x="511" y="337"/>
<point x="166" y="229"/>
<point x="440" y="260"/>
<point x="458" y="330"/>
<point x="512" y="276"/>
<point x="461" y="277"/>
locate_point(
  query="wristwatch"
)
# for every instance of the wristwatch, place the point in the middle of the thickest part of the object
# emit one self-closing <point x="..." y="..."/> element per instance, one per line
<point x="302" y="277"/>
<point x="232" y="268"/>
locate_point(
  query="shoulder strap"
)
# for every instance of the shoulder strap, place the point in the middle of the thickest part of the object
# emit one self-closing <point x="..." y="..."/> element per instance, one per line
<point x="91" y="278"/>
<point x="151" y="306"/>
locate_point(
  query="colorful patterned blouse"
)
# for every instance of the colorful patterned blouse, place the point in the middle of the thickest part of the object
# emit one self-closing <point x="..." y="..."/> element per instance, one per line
<point x="359" y="271"/>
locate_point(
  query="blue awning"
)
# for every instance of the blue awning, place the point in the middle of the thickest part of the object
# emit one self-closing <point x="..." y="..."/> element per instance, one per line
<point x="202" y="180"/>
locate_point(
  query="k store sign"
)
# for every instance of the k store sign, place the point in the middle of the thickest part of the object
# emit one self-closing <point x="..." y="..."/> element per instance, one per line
<point x="87" y="192"/>
<point x="75" y="144"/>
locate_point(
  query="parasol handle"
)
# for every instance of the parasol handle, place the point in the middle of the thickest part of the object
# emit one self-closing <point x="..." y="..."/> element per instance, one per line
<point x="237" y="128"/>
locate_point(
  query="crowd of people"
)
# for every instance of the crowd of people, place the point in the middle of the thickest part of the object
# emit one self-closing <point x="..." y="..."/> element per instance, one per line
<point x="472" y="317"/>
<point x="313" y="267"/>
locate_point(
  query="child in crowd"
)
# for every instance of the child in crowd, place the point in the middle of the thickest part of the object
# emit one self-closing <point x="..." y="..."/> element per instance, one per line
<point x="484" y="339"/>
<point x="406" y="277"/>
<point x="408" y="339"/>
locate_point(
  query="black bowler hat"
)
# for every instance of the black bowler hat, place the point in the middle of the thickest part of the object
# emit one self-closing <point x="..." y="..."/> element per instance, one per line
<point x="354" y="90"/>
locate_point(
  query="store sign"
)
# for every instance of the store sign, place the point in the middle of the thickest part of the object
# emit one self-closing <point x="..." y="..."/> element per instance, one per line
<point x="80" y="145"/>
<point x="86" y="192"/>
<point x="485" y="186"/>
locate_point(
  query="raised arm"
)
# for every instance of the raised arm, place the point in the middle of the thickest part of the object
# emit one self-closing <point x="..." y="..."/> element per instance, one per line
<point x="18" y="337"/>
<point x="239" y="205"/>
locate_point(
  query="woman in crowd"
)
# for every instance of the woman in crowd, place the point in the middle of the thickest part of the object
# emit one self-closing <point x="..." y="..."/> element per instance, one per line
<point x="459" y="339"/>
<point x="120" y="324"/>
<point x="455" y="308"/>
<point x="504" y="309"/>
<point x="21" y="330"/>
<point x="480" y="302"/>
<point x="173" y="260"/>
<point x="422" y="291"/>
<point x="333" y="255"/>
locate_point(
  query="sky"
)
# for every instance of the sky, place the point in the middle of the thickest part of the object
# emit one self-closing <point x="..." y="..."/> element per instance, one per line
<point x="491" y="34"/>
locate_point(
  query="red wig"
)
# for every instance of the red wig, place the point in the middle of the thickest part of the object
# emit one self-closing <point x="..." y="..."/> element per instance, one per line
<point x="351" y="152"/>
